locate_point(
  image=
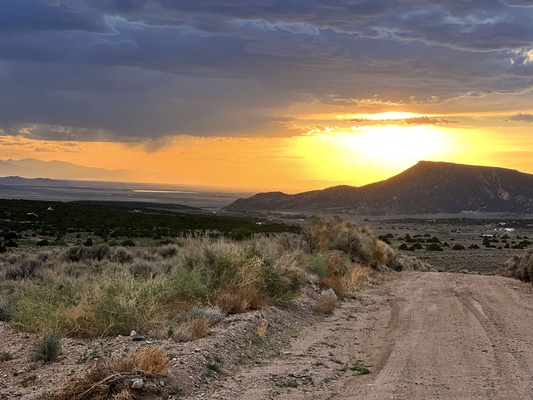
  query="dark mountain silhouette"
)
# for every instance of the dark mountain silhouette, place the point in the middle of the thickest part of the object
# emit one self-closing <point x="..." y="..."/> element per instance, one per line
<point x="426" y="188"/>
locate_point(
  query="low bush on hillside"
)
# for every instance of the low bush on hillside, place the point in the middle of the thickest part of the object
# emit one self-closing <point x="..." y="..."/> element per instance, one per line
<point x="359" y="243"/>
<point x="519" y="267"/>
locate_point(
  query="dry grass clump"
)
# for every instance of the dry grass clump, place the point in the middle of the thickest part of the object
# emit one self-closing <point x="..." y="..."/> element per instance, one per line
<point x="334" y="281"/>
<point x="123" y="395"/>
<point x="198" y="328"/>
<point x="151" y="359"/>
<point x="356" y="277"/>
<point x="326" y="302"/>
<point x="197" y="323"/>
<point x="113" y="380"/>
<point x="241" y="298"/>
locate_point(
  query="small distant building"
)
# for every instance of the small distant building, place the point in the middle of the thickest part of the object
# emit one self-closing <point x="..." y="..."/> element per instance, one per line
<point x="49" y="209"/>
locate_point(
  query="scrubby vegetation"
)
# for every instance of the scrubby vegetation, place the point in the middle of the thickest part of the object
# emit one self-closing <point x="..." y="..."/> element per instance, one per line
<point x="44" y="223"/>
<point x="519" y="267"/>
<point x="181" y="288"/>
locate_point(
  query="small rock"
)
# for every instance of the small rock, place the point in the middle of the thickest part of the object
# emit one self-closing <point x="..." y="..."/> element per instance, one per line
<point x="138" y="337"/>
<point x="137" y="383"/>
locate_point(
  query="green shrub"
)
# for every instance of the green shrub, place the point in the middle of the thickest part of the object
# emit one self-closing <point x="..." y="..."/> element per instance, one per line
<point x="5" y="356"/>
<point x="317" y="264"/>
<point x="47" y="349"/>
<point x="40" y="308"/>
<point x="60" y="242"/>
<point x="434" y="247"/>
<point x="280" y="289"/>
<point x="458" y="247"/>
<point x="11" y="236"/>
<point x="128" y="243"/>
<point x="240" y="233"/>
<point x="184" y="285"/>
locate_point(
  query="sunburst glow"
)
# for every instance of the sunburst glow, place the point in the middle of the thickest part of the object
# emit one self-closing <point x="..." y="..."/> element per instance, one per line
<point x="382" y="150"/>
<point x="388" y="115"/>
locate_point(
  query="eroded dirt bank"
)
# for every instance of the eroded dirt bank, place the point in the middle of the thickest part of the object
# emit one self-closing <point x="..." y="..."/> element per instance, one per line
<point x="421" y="335"/>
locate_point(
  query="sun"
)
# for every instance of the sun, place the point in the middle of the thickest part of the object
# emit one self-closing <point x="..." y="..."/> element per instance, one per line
<point x="370" y="153"/>
<point x="392" y="145"/>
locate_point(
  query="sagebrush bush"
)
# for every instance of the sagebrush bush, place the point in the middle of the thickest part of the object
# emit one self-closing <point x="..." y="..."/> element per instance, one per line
<point x="519" y="267"/>
<point x="359" y="243"/>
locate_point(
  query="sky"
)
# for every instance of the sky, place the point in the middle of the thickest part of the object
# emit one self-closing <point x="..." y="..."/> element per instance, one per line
<point x="288" y="95"/>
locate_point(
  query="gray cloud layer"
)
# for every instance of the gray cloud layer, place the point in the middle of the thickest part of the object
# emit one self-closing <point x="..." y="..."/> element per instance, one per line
<point x="126" y="69"/>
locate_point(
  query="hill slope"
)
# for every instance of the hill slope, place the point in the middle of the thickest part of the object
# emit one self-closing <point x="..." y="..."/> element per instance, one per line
<point x="426" y="188"/>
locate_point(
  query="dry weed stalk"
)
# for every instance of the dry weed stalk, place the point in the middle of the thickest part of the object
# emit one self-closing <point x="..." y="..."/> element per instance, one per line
<point x="198" y="328"/>
<point x="262" y="329"/>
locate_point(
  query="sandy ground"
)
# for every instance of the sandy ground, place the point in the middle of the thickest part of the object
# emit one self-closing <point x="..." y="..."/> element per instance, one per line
<point x="421" y="335"/>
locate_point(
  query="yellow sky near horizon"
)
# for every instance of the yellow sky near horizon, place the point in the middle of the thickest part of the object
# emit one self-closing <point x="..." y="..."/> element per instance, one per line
<point x="320" y="158"/>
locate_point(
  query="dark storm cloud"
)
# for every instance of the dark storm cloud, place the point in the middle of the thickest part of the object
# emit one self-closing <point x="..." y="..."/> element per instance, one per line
<point x="522" y="117"/>
<point x="104" y="69"/>
<point x="27" y="16"/>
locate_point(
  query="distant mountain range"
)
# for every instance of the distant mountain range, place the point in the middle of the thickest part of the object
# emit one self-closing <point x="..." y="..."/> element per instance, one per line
<point x="426" y="188"/>
<point x="32" y="168"/>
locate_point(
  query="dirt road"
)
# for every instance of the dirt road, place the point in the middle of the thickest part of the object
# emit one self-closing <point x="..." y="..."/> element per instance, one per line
<point x="421" y="336"/>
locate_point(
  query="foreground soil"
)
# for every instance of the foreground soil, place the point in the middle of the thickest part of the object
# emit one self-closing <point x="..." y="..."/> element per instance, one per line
<point x="415" y="336"/>
<point x="421" y="336"/>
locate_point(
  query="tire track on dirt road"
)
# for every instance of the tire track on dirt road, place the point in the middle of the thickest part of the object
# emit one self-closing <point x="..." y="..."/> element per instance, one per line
<point x="458" y="337"/>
